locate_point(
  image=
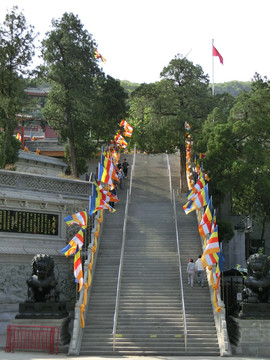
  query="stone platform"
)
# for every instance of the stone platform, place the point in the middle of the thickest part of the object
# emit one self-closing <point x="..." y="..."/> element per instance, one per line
<point x="250" y="337"/>
<point x="40" y="310"/>
<point x="62" y="324"/>
<point x="254" y="310"/>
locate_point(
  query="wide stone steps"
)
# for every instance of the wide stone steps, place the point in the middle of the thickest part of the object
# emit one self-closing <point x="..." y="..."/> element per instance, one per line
<point x="150" y="320"/>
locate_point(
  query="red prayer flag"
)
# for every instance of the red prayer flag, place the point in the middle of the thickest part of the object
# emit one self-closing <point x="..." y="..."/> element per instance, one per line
<point x="216" y="53"/>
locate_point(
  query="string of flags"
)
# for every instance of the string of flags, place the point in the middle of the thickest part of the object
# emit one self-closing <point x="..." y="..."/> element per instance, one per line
<point x="102" y="194"/>
<point x="99" y="56"/>
<point x="199" y="199"/>
<point x="76" y="243"/>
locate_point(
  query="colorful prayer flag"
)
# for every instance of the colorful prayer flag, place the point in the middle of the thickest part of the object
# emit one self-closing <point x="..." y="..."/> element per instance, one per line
<point x="188" y="207"/>
<point x="105" y="176"/>
<point x="78" y="271"/>
<point x="109" y="166"/>
<point x="99" y="56"/>
<point x="214" y="221"/>
<point x="205" y="224"/>
<point x="198" y="201"/>
<point x="79" y="218"/>
<point x="209" y="256"/>
<point x="105" y="194"/>
<point x="187" y="126"/>
<point x="200" y="183"/>
<point x="126" y="126"/>
<point x="118" y="137"/>
<point x="77" y="240"/>
<point x="202" y="198"/>
<point x="127" y="133"/>
<point x="98" y="204"/>
<point x="122" y="143"/>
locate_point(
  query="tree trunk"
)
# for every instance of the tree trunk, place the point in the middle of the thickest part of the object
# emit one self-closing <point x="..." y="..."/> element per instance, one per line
<point x="183" y="177"/>
<point x="73" y="157"/>
<point x="72" y="148"/>
<point x="263" y="228"/>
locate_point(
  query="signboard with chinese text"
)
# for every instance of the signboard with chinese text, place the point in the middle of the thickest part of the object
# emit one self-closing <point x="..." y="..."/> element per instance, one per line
<point x="28" y="222"/>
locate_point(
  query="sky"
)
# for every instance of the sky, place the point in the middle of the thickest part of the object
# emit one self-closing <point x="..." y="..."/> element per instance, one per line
<point x="139" y="38"/>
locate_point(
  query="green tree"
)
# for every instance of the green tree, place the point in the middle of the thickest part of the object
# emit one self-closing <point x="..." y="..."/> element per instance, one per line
<point x="250" y="119"/>
<point x="233" y="87"/>
<point x="143" y="117"/>
<point x="237" y="155"/>
<point x="222" y="105"/>
<point x="160" y="110"/>
<point x="110" y="106"/>
<point x="16" y="52"/>
<point x="72" y="70"/>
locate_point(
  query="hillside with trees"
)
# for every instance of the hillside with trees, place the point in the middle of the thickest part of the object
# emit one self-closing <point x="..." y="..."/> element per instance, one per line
<point x="232" y="87"/>
<point x="129" y="86"/>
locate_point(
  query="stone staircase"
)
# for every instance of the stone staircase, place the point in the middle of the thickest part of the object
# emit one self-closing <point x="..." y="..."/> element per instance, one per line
<point x="150" y="320"/>
<point x="202" y="336"/>
<point x="97" y="334"/>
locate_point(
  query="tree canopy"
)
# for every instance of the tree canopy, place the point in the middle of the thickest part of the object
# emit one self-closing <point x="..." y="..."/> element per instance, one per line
<point x="80" y="96"/>
<point x="16" y="51"/>
<point x="85" y="106"/>
<point x="237" y="152"/>
<point x="159" y="111"/>
<point x="70" y="66"/>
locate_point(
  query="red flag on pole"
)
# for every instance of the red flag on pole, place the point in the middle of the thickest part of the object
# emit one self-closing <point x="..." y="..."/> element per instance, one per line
<point x="216" y="53"/>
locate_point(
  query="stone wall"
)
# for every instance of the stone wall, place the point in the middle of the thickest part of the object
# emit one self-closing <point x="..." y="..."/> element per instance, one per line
<point x="254" y="232"/>
<point x="31" y="163"/>
<point x="234" y="251"/>
<point x="32" y="196"/>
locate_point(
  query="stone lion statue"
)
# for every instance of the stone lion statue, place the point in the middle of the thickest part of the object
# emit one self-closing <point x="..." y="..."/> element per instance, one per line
<point x="257" y="282"/>
<point x="42" y="284"/>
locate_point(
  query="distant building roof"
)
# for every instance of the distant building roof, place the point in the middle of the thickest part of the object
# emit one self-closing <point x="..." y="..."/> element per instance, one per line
<point x="41" y="158"/>
<point x="37" y="91"/>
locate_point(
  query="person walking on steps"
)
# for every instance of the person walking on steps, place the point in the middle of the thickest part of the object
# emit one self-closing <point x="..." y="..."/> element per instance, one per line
<point x="119" y="166"/>
<point x="113" y="192"/>
<point x="121" y="177"/>
<point x="200" y="271"/>
<point x="125" y="166"/>
<point x="190" y="272"/>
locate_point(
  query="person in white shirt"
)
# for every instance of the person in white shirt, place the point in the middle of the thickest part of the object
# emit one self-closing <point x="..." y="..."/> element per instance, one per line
<point x="121" y="177"/>
<point x="200" y="271"/>
<point x="190" y="272"/>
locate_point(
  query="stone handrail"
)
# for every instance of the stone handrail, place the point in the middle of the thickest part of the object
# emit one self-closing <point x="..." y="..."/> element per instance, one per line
<point x="81" y="305"/>
<point x="180" y="271"/>
<point x="41" y="183"/>
<point x="119" y="278"/>
<point x="219" y="317"/>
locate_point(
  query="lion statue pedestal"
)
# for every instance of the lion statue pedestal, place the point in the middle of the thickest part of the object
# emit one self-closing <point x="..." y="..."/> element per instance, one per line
<point x="251" y="329"/>
<point x="42" y="307"/>
<point x="43" y="295"/>
<point x="256" y="293"/>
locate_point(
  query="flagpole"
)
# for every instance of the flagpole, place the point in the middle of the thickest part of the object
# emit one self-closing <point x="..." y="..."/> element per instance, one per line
<point x="221" y="250"/>
<point x="213" y="86"/>
<point x="101" y="153"/>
